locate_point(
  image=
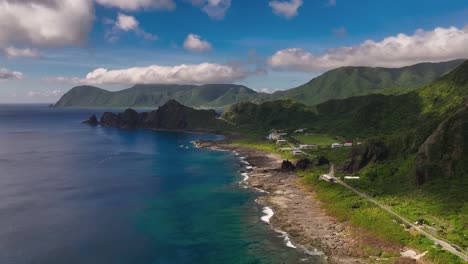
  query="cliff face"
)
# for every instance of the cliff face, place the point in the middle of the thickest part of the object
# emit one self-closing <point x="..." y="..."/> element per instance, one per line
<point x="445" y="152"/>
<point x="171" y="115"/>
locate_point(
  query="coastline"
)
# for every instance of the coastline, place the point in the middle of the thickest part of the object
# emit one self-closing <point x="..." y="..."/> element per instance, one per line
<point x="290" y="209"/>
<point x="293" y="211"/>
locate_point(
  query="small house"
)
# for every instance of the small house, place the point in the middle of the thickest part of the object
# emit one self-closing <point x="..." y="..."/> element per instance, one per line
<point x="327" y="177"/>
<point x="281" y="142"/>
<point x="273" y="136"/>
<point x="336" y="145"/>
<point x="300" y="130"/>
<point x="311" y="146"/>
<point x="297" y="152"/>
<point x="348" y="144"/>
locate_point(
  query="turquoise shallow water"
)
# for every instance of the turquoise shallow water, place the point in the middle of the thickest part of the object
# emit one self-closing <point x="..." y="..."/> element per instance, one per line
<point x="70" y="193"/>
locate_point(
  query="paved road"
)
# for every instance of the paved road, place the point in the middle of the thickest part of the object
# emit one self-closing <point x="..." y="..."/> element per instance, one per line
<point x="444" y="244"/>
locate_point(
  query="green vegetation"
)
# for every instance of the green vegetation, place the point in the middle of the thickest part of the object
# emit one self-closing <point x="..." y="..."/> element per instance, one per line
<point x="346" y="206"/>
<point x="340" y="83"/>
<point x="347" y="82"/>
<point x="153" y="96"/>
<point x="318" y="139"/>
<point x="414" y="157"/>
<point x="264" y="145"/>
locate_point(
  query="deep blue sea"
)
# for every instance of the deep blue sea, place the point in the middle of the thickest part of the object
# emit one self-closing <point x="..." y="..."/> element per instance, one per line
<point x="75" y="194"/>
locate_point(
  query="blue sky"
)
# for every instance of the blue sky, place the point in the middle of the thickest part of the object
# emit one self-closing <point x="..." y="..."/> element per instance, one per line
<point x="265" y="45"/>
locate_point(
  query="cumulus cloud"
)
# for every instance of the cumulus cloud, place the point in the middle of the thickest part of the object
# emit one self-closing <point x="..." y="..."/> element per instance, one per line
<point x="125" y="23"/>
<point x="215" y="9"/>
<point x="287" y="9"/>
<point x="6" y="74"/>
<point x="437" y="45"/>
<point x="133" y="5"/>
<point x="182" y="74"/>
<point x="195" y="43"/>
<point x="45" y="23"/>
<point x="12" y="52"/>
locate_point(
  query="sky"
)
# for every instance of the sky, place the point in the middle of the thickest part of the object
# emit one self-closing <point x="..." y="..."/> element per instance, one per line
<point x="49" y="46"/>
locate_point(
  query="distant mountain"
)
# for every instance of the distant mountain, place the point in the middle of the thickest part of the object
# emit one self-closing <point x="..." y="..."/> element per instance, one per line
<point x="340" y="83"/>
<point x="430" y="121"/>
<point x="152" y="96"/>
<point x="347" y="82"/>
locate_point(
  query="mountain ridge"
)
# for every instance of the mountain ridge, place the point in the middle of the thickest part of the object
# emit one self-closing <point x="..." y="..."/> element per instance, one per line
<point x="339" y="83"/>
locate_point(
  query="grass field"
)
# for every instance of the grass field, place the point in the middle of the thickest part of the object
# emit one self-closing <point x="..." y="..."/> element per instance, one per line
<point x="318" y="139"/>
<point x="346" y="206"/>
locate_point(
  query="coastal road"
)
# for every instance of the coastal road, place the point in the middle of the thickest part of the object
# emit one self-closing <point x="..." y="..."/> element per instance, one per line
<point x="444" y="244"/>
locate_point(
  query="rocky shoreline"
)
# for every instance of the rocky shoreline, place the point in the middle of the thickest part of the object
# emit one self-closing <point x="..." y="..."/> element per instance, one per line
<point x="298" y="213"/>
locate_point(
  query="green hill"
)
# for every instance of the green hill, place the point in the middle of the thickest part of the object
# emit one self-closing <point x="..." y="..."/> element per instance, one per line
<point x="347" y="82"/>
<point x="413" y="157"/>
<point x="336" y="84"/>
<point x="152" y="96"/>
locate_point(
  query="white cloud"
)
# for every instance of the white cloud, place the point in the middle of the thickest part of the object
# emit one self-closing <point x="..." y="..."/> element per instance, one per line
<point x="133" y="5"/>
<point x="49" y="23"/>
<point x="331" y="3"/>
<point x="12" y="52"/>
<point x="126" y="23"/>
<point x="215" y="9"/>
<point x="440" y="44"/>
<point x="47" y="93"/>
<point x="195" y="43"/>
<point x="6" y="74"/>
<point x="182" y="74"/>
<point x="287" y="9"/>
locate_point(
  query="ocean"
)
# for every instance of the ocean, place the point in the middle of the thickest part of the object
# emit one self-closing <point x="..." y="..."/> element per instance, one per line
<point x="70" y="193"/>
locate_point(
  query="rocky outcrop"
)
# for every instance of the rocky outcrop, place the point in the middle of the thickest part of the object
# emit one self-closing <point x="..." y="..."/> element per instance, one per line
<point x="287" y="166"/>
<point x="172" y="116"/>
<point x="303" y="164"/>
<point x="445" y="152"/>
<point x="362" y="155"/>
<point x="92" y="121"/>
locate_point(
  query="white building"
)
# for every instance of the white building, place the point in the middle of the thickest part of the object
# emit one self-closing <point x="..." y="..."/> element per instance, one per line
<point x="281" y="142"/>
<point x="327" y="177"/>
<point x="336" y="145"/>
<point x="351" y="177"/>
<point x="273" y="136"/>
<point x="308" y="146"/>
<point x="296" y="152"/>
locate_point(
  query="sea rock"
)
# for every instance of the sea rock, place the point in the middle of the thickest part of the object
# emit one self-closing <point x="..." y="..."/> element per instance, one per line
<point x="109" y="119"/>
<point x="172" y="116"/>
<point x="92" y="121"/>
<point x="287" y="166"/>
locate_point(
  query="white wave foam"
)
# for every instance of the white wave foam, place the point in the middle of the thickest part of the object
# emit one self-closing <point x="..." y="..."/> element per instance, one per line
<point x="286" y="238"/>
<point x="246" y="176"/>
<point x="268" y="214"/>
